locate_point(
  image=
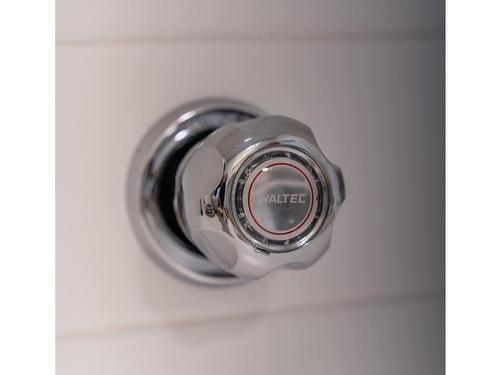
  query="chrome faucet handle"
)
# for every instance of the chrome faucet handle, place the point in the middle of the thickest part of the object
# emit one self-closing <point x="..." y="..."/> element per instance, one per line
<point x="258" y="195"/>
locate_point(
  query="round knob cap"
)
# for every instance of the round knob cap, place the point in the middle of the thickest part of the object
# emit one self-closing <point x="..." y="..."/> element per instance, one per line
<point x="258" y="195"/>
<point x="279" y="198"/>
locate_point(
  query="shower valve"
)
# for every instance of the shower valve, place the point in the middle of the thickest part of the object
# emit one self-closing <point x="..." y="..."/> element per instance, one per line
<point x="251" y="195"/>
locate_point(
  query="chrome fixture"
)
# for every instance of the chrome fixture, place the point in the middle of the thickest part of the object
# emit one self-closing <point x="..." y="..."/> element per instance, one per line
<point x="221" y="193"/>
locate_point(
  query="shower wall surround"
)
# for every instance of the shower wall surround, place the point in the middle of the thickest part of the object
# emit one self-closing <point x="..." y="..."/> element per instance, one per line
<point x="366" y="76"/>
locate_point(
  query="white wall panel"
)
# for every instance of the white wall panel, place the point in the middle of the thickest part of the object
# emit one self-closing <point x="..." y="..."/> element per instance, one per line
<point x="98" y="20"/>
<point x="382" y="339"/>
<point x="375" y="106"/>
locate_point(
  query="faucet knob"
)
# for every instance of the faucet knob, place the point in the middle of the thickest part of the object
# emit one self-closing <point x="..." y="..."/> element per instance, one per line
<point x="258" y="195"/>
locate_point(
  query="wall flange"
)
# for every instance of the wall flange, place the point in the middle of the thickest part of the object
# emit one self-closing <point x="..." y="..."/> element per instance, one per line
<point x="150" y="186"/>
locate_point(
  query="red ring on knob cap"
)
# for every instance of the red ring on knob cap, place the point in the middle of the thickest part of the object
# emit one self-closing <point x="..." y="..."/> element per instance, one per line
<point x="310" y="201"/>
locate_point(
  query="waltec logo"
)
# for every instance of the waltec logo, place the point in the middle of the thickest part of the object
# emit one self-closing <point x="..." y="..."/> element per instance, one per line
<point x="282" y="198"/>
